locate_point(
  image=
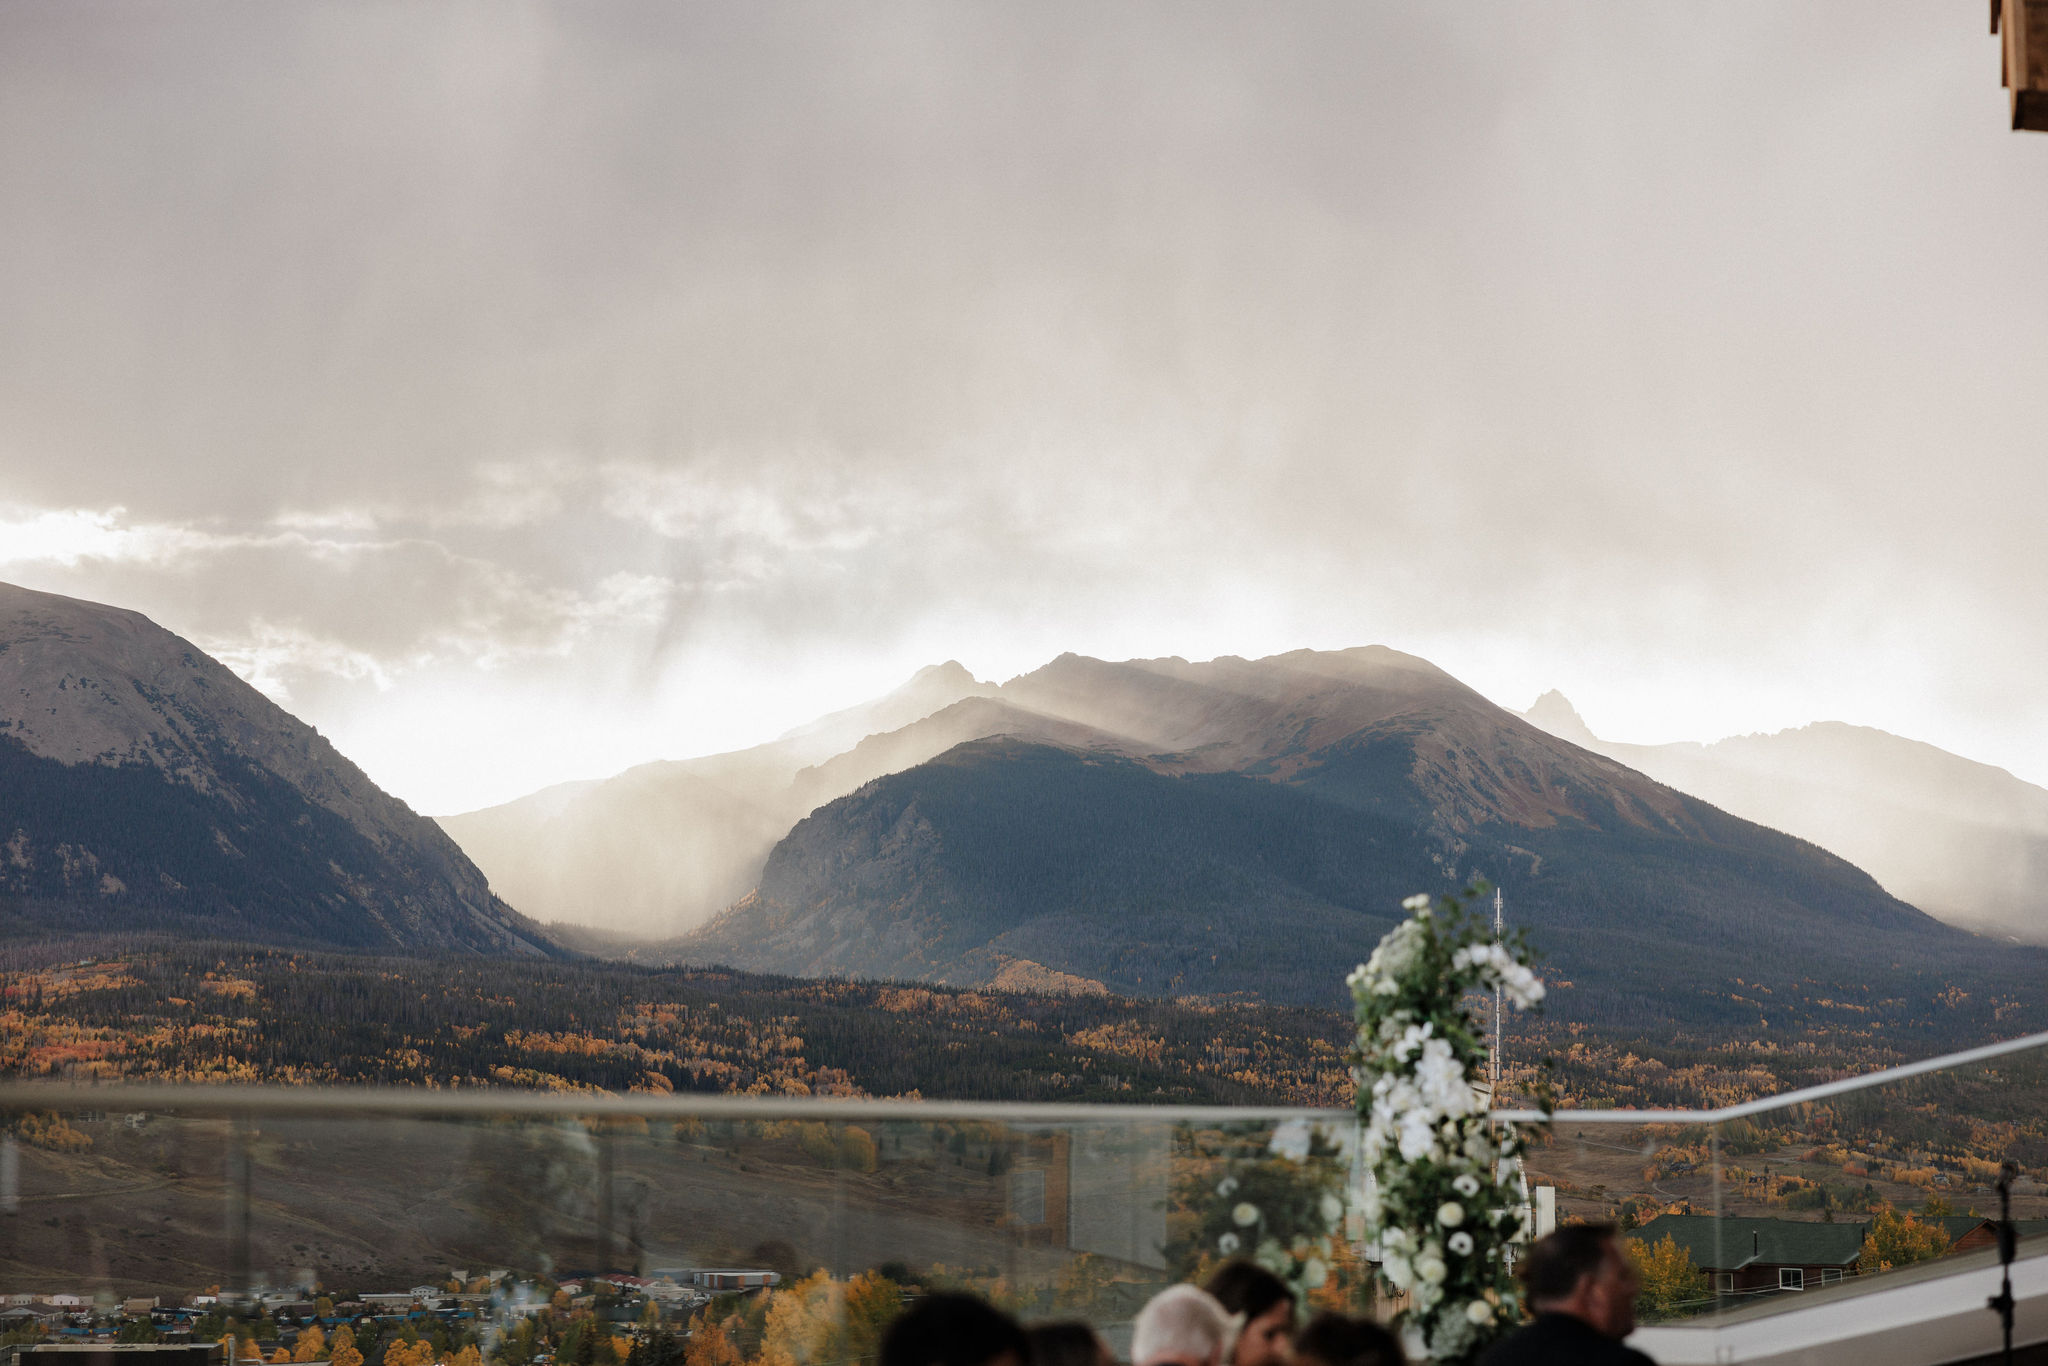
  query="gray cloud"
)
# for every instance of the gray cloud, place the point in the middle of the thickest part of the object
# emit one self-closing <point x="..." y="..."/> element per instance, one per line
<point x="552" y="357"/>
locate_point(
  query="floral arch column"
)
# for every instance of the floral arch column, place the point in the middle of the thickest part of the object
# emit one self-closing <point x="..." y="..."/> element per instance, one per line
<point x="1447" y="1198"/>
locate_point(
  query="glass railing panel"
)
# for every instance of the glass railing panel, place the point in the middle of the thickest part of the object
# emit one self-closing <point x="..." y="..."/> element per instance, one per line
<point x="99" y="1206"/>
<point x="1617" y="1169"/>
<point x="1823" y="1195"/>
<point x="501" y="1230"/>
<point x="439" y="1233"/>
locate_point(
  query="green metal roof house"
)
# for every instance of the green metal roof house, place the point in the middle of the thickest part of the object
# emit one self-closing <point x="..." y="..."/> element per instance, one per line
<point x="1750" y="1255"/>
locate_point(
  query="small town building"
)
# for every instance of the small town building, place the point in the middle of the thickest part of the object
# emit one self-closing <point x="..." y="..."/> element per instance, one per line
<point x="1751" y="1256"/>
<point x="721" y="1280"/>
<point x="1966" y="1232"/>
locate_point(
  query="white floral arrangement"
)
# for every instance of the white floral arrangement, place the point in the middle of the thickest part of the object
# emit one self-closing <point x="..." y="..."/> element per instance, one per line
<point x="1447" y="1196"/>
<point x="1280" y="1206"/>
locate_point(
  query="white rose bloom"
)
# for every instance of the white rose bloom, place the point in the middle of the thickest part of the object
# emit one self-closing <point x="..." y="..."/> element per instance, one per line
<point x="1450" y="1214"/>
<point x="1245" y="1215"/>
<point x="1440" y="1079"/>
<point x="1431" y="1269"/>
<point x="1291" y="1141"/>
<point x="1397" y="1271"/>
<point x="1460" y="1243"/>
<point x="1412" y="1038"/>
<point x="1479" y="1312"/>
<point x="1418" y="1135"/>
<point x="1314" y="1273"/>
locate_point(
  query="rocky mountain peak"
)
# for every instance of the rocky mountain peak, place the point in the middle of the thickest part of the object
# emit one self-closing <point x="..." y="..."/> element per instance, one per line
<point x="1552" y="712"/>
<point x="199" y="799"/>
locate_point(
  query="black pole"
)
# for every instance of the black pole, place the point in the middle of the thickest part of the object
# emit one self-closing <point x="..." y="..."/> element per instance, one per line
<point x="2008" y="1245"/>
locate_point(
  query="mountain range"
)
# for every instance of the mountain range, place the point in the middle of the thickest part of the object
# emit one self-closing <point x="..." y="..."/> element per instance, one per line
<point x="1251" y="826"/>
<point x="1964" y="841"/>
<point x="1151" y="827"/>
<point x="143" y="786"/>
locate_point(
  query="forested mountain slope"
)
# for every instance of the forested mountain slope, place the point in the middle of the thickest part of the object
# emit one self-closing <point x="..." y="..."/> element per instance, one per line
<point x="1267" y="842"/>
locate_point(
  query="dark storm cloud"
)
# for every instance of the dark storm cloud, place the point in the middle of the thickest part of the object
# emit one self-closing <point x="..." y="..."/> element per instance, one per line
<point x="582" y="345"/>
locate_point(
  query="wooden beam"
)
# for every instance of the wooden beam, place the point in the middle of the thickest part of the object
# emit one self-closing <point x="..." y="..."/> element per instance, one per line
<point x="2024" y="59"/>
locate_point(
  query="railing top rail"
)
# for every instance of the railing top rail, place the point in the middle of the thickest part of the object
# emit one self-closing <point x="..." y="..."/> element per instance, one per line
<point x="1804" y="1096"/>
<point x="352" y="1101"/>
<point x="393" y="1101"/>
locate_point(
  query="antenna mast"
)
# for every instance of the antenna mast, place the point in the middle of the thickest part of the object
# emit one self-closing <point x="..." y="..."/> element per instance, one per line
<point x="1493" y="1065"/>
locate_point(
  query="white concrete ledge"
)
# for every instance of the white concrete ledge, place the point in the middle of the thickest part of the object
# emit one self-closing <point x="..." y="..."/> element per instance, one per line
<point x="1918" y="1316"/>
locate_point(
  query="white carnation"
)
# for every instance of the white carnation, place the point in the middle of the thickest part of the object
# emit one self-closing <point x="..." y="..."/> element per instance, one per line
<point x="1450" y="1214"/>
<point x="1460" y="1243"/>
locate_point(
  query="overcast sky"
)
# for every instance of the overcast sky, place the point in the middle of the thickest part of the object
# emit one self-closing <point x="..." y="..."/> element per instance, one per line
<point x="519" y="392"/>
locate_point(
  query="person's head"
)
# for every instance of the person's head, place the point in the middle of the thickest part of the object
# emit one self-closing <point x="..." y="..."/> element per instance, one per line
<point x="954" y="1330"/>
<point x="1340" y="1340"/>
<point x="1071" y="1343"/>
<point x="1268" y="1308"/>
<point x="1581" y="1270"/>
<point x="1181" y="1325"/>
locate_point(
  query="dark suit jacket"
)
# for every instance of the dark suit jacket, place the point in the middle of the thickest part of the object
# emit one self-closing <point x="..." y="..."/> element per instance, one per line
<point x="1560" y="1340"/>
